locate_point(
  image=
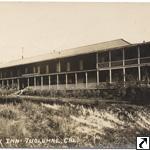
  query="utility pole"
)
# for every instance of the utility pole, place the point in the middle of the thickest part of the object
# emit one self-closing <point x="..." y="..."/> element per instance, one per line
<point x="22" y="52"/>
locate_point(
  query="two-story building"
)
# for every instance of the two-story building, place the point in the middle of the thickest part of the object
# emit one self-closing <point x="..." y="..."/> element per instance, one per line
<point x="86" y="67"/>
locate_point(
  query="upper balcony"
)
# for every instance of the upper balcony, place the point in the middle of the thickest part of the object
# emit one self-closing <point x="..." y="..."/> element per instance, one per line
<point x="124" y="57"/>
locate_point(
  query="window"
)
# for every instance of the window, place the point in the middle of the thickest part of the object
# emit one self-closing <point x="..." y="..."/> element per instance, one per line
<point x="81" y="64"/>
<point x="34" y="69"/>
<point x="26" y="70"/>
<point x="132" y="74"/>
<point x="47" y="68"/>
<point x="131" y="53"/>
<point x="18" y="72"/>
<point x="104" y="76"/>
<point x="117" y="75"/>
<point x="116" y="55"/>
<point x="103" y="57"/>
<point x="38" y="69"/>
<point x="0" y="74"/>
<point x="145" y="50"/>
<point x="11" y="73"/>
<point x="58" y="67"/>
<point x="68" y="66"/>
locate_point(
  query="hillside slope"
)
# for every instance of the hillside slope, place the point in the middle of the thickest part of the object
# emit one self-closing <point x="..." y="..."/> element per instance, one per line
<point x="104" y="126"/>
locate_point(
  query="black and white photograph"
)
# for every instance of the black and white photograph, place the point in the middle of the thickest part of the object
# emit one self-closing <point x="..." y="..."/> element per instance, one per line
<point x="75" y="75"/>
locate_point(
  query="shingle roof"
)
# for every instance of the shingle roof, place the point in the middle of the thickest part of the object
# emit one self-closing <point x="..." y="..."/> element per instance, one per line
<point x="69" y="52"/>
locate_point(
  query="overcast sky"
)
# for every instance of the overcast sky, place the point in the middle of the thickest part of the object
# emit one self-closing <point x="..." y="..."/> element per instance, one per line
<point x="42" y="27"/>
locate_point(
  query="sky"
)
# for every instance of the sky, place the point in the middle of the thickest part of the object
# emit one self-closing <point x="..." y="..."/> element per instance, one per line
<point x="40" y="28"/>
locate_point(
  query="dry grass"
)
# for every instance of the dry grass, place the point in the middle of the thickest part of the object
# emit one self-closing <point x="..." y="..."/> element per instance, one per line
<point x="105" y="126"/>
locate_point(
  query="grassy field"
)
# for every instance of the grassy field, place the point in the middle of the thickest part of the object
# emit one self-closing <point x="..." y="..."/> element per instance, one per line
<point x="47" y="126"/>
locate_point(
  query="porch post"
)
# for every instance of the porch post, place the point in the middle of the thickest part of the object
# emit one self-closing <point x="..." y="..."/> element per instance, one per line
<point x="12" y="83"/>
<point x="110" y="74"/>
<point x="97" y="68"/>
<point x="18" y="84"/>
<point x="42" y="82"/>
<point x="34" y="82"/>
<point x="66" y="80"/>
<point x="28" y="82"/>
<point x="59" y="67"/>
<point x="7" y="82"/>
<point x="124" y="71"/>
<point x="86" y="79"/>
<point x="2" y="83"/>
<point x="76" y="80"/>
<point x="139" y="67"/>
<point x="110" y="77"/>
<point x="49" y="81"/>
<point x="57" y="81"/>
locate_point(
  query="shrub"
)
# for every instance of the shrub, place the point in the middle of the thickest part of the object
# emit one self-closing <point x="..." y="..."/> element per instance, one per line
<point x="133" y="93"/>
<point x="98" y="93"/>
<point x="8" y="114"/>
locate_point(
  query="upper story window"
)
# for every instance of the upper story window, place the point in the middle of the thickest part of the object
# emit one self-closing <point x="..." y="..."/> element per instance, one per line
<point x="103" y="57"/>
<point x="38" y="69"/>
<point x="131" y="52"/>
<point x="0" y="74"/>
<point x="47" y="68"/>
<point x="68" y="66"/>
<point x="116" y="55"/>
<point x="34" y="69"/>
<point x="5" y="74"/>
<point x="81" y="64"/>
<point x="18" y="72"/>
<point x="145" y="50"/>
<point x="11" y="73"/>
<point x="26" y="70"/>
<point x="58" y="67"/>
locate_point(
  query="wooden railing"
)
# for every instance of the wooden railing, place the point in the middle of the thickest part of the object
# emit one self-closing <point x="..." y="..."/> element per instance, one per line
<point x="131" y="61"/>
<point x="120" y="62"/>
<point x="145" y="60"/>
<point x="103" y="65"/>
<point x="30" y="74"/>
<point x="117" y="63"/>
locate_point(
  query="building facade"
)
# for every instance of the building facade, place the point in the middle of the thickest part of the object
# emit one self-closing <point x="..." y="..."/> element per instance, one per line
<point x="87" y="67"/>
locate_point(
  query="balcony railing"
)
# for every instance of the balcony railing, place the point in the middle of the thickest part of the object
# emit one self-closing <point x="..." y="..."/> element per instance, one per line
<point x="117" y="63"/>
<point x="131" y="61"/>
<point x="30" y="74"/>
<point x="103" y="65"/>
<point x="145" y="60"/>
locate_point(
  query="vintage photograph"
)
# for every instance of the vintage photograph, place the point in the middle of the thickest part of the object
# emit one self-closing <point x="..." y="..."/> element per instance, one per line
<point x="74" y="75"/>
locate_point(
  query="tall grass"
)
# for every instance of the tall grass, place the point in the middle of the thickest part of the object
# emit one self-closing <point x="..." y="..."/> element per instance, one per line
<point x="5" y="91"/>
<point x="104" y="126"/>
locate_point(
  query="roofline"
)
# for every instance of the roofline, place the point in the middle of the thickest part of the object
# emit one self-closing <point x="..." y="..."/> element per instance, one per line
<point x="125" y="41"/>
<point x="75" y="48"/>
<point x="109" y="49"/>
<point x="97" y="43"/>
